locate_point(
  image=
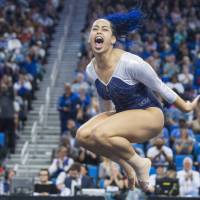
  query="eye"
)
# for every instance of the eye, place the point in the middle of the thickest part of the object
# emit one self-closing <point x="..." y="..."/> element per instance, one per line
<point x="105" y="29"/>
<point x="94" y="28"/>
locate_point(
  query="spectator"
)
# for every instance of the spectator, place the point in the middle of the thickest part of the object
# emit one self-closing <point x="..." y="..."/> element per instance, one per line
<point x="7" y="112"/>
<point x="175" y="85"/>
<point x="61" y="163"/>
<point x="23" y="88"/>
<point x="186" y="78"/>
<point x="170" y="67"/>
<point x="85" y="102"/>
<point x="44" y="187"/>
<point x="176" y="133"/>
<point x="79" y="82"/>
<point x="88" y="157"/>
<point x="116" y="183"/>
<point x="105" y="168"/>
<point x="68" y="140"/>
<point x="5" y="184"/>
<point x="74" y="180"/>
<point x="185" y="144"/>
<point x="160" y="173"/>
<point x="173" y="115"/>
<point x="71" y="131"/>
<point x="182" y="123"/>
<point x="84" y="170"/>
<point x="165" y="135"/>
<point x="68" y="105"/>
<point x="189" y="180"/>
<point x="93" y="108"/>
<point x="159" y="153"/>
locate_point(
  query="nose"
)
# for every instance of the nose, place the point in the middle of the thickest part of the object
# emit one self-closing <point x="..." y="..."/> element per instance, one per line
<point x="99" y="31"/>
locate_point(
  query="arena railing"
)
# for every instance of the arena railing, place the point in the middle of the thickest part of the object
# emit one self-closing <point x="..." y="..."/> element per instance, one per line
<point x="46" y="106"/>
<point x="61" y="45"/>
<point x="41" y="115"/>
<point x="24" y="151"/>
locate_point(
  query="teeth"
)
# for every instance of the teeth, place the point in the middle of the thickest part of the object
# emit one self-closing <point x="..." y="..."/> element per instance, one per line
<point x="99" y="39"/>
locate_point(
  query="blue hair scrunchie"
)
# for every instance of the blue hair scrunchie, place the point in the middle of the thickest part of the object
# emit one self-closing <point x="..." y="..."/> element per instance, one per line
<point x="125" y="23"/>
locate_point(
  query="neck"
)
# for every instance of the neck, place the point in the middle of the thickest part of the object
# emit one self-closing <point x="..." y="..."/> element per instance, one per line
<point x="103" y="60"/>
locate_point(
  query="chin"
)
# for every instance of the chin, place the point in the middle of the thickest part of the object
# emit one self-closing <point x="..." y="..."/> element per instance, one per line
<point x="100" y="51"/>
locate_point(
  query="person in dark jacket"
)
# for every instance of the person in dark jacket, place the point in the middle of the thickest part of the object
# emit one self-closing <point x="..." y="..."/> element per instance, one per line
<point x="75" y="181"/>
<point x="7" y="112"/>
<point x="44" y="187"/>
<point x="68" y="105"/>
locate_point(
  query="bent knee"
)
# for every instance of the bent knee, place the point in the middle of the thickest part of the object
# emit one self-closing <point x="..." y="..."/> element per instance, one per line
<point x="82" y="135"/>
<point x="99" y="135"/>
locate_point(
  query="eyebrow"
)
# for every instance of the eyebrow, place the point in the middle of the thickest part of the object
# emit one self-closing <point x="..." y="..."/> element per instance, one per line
<point x="102" y="26"/>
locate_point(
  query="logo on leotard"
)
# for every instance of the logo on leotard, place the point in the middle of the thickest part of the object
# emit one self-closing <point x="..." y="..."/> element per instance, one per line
<point x="144" y="101"/>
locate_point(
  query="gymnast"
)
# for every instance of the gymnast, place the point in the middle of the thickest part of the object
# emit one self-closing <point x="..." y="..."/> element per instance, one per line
<point x="128" y="82"/>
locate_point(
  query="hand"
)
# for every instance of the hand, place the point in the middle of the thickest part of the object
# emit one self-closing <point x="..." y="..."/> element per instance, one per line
<point x="44" y="194"/>
<point x="192" y="105"/>
<point x="190" y="176"/>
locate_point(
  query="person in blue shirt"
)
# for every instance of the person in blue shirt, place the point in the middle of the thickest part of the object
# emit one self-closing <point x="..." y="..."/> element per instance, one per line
<point x="68" y="105"/>
<point x="128" y="82"/>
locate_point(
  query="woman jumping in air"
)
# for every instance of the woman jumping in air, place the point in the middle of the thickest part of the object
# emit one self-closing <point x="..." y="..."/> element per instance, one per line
<point x="128" y="82"/>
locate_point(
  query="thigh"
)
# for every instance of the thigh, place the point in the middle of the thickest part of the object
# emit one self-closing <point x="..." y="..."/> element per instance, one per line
<point x="135" y="125"/>
<point x="96" y="120"/>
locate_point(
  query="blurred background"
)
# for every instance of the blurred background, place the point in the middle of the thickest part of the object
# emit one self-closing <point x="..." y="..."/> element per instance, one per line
<point x="45" y="96"/>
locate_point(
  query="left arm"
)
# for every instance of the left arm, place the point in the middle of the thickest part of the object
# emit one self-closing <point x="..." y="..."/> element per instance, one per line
<point x="144" y="73"/>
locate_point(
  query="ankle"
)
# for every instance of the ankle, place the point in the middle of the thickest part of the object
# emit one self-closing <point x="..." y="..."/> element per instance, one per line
<point x="136" y="161"/>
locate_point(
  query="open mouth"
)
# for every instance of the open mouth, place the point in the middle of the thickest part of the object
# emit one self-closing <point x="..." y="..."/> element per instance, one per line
<point x="99" y="42"/>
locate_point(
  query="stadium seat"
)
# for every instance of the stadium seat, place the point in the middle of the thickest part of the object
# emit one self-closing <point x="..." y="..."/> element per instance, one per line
<point x="93" y="172"/>
<point x="2" y="139"/>
<point x="101" y="183"/>
<point x="152" y="170"/>
<point x="179" y="160"/>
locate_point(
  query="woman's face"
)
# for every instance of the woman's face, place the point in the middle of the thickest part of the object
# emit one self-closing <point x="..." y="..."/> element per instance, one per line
<point x="101" y="38"/>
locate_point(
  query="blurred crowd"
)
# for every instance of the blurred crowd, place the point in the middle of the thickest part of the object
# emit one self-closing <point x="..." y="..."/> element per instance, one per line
<point x="26" y="28"/>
